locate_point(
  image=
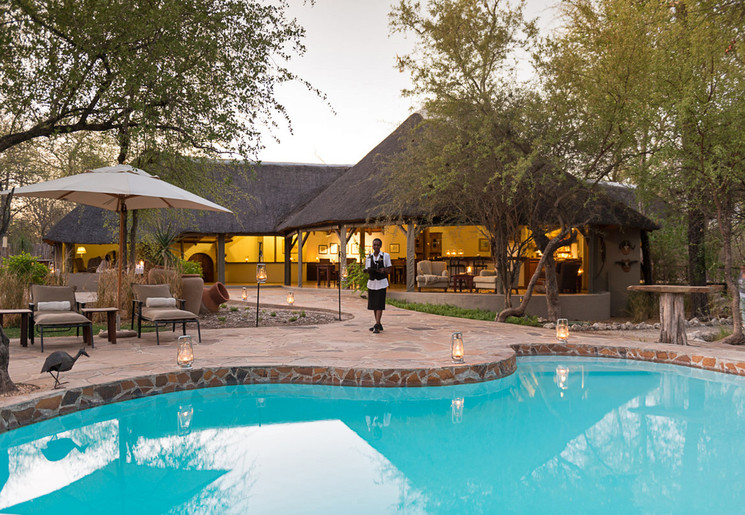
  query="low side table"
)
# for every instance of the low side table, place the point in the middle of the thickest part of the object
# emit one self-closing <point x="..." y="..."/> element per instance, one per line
<point x="110" y="319"/>
<point x="461" y="281"/>
<point x="25" y="316"/>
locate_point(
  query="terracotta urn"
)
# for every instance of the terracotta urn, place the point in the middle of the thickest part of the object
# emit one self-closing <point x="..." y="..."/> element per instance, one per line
<point x="215" y="295"/>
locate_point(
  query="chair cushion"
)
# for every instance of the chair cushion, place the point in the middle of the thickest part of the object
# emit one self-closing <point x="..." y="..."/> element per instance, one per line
<point x="54" y="305"/>
<point x="44" y="293"/>
<point x="487" y="273"/>
<point x="165" y="314"/>
<point x="142" y="292"/>
<point x="59" y="318"/>
<point x="160" y="302"/>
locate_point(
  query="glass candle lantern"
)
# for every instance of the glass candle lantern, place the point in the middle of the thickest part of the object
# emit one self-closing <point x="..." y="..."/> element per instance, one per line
<point x="261" y="273"/>
<point x="244" y="293"/>
<point x="290" y="298"/>
<point x="185" y="355"/>
<point x="562" y="330"/>
<point x="456" y="347"/>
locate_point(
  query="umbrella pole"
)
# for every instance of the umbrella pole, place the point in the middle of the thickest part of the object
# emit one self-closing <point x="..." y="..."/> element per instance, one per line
<point x="122" y="214"/>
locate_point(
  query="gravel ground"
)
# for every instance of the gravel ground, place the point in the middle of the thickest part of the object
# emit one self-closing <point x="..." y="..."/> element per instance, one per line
<point x="270" y="316"/>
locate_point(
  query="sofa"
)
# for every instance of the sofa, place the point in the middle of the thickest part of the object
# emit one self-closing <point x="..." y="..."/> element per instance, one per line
<point x="486" y="280"/>
<point x="432" y="274"/>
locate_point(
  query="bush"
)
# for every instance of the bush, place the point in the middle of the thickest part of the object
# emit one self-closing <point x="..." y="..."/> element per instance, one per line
<point x="17" y="273"/>
<point x="642" y="306"/>
<point x="356" y="278"/>
<point x="190" y="267"/>
<point x="25" y="267"/>
<point x="529" y="320"/>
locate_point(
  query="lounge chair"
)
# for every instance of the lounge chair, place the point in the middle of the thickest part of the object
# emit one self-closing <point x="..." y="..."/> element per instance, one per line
<point x="154" y="303"/>
<point x="53" y="307"/>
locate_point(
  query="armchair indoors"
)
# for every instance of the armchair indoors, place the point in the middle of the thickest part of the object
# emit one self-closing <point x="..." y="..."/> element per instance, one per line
<point x="432" y="274"/>
<point x="154" y="303"/>
<point x="53" y="307"/>
<point x="486" y="280"/>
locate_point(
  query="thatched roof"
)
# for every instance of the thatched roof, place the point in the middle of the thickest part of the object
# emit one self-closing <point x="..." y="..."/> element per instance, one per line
<point x="276" y="190"/>
<point x="285" y="197"/>
<point x="356" y="196"/>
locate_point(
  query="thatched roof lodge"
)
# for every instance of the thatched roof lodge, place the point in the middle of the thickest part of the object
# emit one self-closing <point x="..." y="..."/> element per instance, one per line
<point x="300" y="217"/>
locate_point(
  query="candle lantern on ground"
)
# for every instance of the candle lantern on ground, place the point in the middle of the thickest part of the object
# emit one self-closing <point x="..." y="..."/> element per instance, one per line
<point x="260" y="278"/>
<point x="290" y="298"/>
<point x="562" y="330"/>
<point x="244" y="293"/>
<point x="185" y="355"/>
<point x="457" y="352"/>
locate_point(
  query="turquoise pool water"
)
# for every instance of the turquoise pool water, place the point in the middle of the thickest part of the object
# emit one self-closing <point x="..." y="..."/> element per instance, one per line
<point x="566" y="436"/>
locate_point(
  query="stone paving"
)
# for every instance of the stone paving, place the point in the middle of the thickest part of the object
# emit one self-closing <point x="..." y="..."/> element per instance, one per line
<point x="413" y="350"/>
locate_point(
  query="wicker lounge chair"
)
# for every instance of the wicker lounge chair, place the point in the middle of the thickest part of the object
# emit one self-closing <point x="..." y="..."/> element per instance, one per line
<point x="53" y="307"/>
<point x="154" y="303"/>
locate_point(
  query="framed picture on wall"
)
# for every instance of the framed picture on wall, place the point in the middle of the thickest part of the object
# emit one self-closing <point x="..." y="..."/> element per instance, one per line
<point x="395" y="248"/>
<point x="483" y="245"/>
<point x="323" y="249"/>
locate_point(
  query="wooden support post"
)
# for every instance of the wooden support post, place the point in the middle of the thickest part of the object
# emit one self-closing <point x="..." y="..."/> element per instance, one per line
<point x="300" y="259"/>
<point x="672" y="319"/>
<point x="221" y="258"/>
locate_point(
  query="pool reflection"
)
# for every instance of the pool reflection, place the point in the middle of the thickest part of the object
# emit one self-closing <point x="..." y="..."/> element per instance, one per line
<point x="586" y="435"/>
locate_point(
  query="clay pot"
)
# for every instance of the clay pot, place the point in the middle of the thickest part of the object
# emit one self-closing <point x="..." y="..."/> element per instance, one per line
<point x="215" y="295"/>
<point x="192" y="288"/>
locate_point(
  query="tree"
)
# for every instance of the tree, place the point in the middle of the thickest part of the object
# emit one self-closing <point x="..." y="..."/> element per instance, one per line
<point x="682" y="79"/>
<point x="472" y="143"/>
<point x="177" y="74"/>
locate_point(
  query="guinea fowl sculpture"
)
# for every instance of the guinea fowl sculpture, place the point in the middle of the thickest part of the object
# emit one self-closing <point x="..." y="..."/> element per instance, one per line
<point x="60" y="361"/>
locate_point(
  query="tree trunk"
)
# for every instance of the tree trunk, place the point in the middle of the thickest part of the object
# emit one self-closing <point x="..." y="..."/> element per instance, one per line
<point x="725" y="228"/>
<point x="646" y="258"/>
<point x="519" y="311"/>
<point x="553" y="308"/>
<point x="697" y="261"/>
<point x="6" y="385"/>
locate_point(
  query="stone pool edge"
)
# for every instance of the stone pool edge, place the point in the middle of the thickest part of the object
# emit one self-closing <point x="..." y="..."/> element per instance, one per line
<point x="62" y="402"/>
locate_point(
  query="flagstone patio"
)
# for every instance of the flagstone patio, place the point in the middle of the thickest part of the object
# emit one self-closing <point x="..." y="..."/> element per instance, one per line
<point x="413" y="350"/>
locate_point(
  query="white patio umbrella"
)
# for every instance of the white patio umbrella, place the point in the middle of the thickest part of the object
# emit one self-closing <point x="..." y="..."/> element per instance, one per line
<point x="117" y="188"/>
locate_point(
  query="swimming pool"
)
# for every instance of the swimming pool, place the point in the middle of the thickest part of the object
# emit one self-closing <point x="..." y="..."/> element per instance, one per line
<point x="560" y="435"/>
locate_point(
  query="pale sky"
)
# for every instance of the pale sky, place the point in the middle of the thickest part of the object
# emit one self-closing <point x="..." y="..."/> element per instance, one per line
<point x="350" y="57"/>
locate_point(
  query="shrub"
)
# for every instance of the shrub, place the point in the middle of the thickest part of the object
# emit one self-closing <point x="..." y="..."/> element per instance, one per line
<point x="529" y="320"/>
<point x="17" y="273"/>
<point x="356" y="278"/>
<point x="233" y="309"/>
<point x="26" y="267"/>
<point x="292" y="319"/>
<point x="641" y="306"/>
<point x="190" y="267"/>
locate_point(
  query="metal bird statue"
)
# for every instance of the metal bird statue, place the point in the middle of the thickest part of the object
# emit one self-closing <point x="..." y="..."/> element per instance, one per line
<point x="60" y="361"/>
